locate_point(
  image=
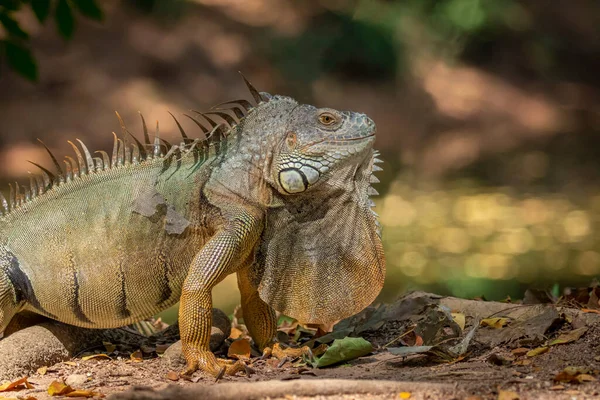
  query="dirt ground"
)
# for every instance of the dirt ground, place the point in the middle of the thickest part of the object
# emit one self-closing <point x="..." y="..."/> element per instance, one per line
<point x="484" y="371"/>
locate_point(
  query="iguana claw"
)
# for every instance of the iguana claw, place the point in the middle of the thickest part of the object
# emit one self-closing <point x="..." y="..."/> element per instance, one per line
<point x="207" y="362"/>
<point x="289" y="353"/>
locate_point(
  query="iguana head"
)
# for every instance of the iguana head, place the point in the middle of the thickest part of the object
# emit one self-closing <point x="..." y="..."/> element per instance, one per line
<point x="315" y="143"/>
<point x="320" y="258"/>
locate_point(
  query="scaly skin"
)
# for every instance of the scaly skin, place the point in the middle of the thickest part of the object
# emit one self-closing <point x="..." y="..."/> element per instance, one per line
<point x="282" y="201"/>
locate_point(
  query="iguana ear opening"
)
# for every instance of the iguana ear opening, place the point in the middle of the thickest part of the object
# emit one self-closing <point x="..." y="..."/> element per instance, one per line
<point x="321" y="258"/>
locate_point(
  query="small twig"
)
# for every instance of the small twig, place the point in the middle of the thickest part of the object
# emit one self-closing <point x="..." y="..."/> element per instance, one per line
<point x="412" y="329"/>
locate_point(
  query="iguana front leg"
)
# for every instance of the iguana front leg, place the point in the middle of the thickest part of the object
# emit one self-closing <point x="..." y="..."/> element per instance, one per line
<point x="261" y="321"/>
<point x="222" y="255"/>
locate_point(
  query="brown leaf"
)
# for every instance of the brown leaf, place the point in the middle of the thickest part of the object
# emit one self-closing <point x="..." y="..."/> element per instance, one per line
<point x="574" y="375"/>
<point x="42" y="370"/>
<point x="172" y="376"/>
<point x="72" y="363"/>
<point x="588" y="310"/>
<point x="557" y="387"/>
<point x="569" y="337"/>
<point x="522" y="362"/>
<point x="161" y="348"/>
<point x="521" y="351"/>
<point x="16" y="385"/>
<point x="96" y="356"/>
<point x="495" y="323"/>
<point x="59" y="388"/>
<point x="239" y="349"/>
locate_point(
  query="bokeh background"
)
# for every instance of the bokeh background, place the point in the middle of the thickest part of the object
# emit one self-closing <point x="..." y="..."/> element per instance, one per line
<point x="488" y="112"/>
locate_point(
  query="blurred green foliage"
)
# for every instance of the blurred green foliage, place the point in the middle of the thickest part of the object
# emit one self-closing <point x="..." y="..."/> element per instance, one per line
<point x="15" y="46"/>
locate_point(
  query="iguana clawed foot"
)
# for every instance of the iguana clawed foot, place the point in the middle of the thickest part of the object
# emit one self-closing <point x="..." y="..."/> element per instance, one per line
<point x="207" y="362"/>
<point x="289" y="353"/>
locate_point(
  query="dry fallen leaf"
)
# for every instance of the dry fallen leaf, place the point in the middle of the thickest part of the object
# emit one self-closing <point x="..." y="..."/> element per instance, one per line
<point x="522" y="362"/>
<point x="239" y="349"/>
<point x="42" y="370"/>
<point x="495" y="323"/>
<point x="161" y="348"/>
<point x="236" y="333"/>
<point x="109" y="347"/>
<point x="587" y="310"/>
<point x="404" y="395"/>
<point x="569" y="337"/>
<point x="557" y="387"/>
<point x="574" y="375"/>
<point x="59" y="388"/>
<point x="507" y="395"/>
<point x="538" y="351"/>
<point x="137" y="356"/>
<point x="72" y="363"/>
<point x="96" y="356"/>
<point x="459" y="318"/>
<point x="82" y="393"/>
<point x="172" y="376"/>
<point x="521" y="351"/>
<point x="16" y="385"/>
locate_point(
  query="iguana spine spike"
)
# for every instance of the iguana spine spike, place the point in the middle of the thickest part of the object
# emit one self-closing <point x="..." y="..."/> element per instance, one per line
<point x="377" y="160"/>
<point x="135" y="153"/>
<point x="371" y="203"/>
<point x="105" y="158"/>
<point x="252" y="90"/>
<point x="17" y="194"/>
<point x="157" y="147"/>
<point x="120" y="153"/>
<point x="225" y="116"/>
<point x="4" y="204"/>
<point x="48" y="176"/>
<point x="11" y="197"/>
<point x="142" y="154"/>
<point x="125" y="132"/>
<point x="71" y="169"/>
<point x="181" y="131"/>
<point x="115" y="152"/>
<point x="376" y="168"/>
<point x="99" y="164"/>
<point x="32" y="185"/>
<point x="26" y="194"/>
<point x="373" y="179"/>
<point x="145" y="129"/>
<point x="88" y="156"/>
<point x="80" y="163"/>
<point x="61" y="176"/>
<point x="242" y="104"/>
<point x="372" y="192"/>
<point x="202" y="128"/>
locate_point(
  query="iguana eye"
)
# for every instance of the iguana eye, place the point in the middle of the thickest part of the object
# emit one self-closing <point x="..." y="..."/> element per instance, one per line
<point x="327" y="119"/>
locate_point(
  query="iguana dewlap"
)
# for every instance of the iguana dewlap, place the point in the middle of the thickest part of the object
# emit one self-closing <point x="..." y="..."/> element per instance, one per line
<point x="277" y="193"/>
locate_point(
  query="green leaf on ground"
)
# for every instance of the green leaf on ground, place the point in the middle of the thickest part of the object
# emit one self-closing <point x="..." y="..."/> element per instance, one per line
<point x="344" y="350"/>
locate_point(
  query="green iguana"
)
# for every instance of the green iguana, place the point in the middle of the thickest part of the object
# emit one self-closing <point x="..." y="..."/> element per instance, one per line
<point x="277" y="193"/>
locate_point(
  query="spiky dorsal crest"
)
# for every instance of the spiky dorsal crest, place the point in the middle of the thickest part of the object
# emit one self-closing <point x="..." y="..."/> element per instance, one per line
<point x="126" y="153"/>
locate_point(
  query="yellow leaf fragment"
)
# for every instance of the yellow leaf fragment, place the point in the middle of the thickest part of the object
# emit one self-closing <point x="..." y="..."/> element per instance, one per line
<point x="42" y="370"/>
<point x="236" y="333"/>
<point x="59" y="388"/>
<point x="404" y="395"/>
<point x="96" y="356"/>
<point x="109" y="347"/>
<point x="459" y="318"/>
<point x="137" y="356"/>
<point x="239" y="349"/>
<point x="495" y="323"/>
<point x="82" y="393"/>
<point x="19" y="384"/>
<point x="72" y="363"/>
<point x="537" y="351"/>
<point x="507" y="395"/>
